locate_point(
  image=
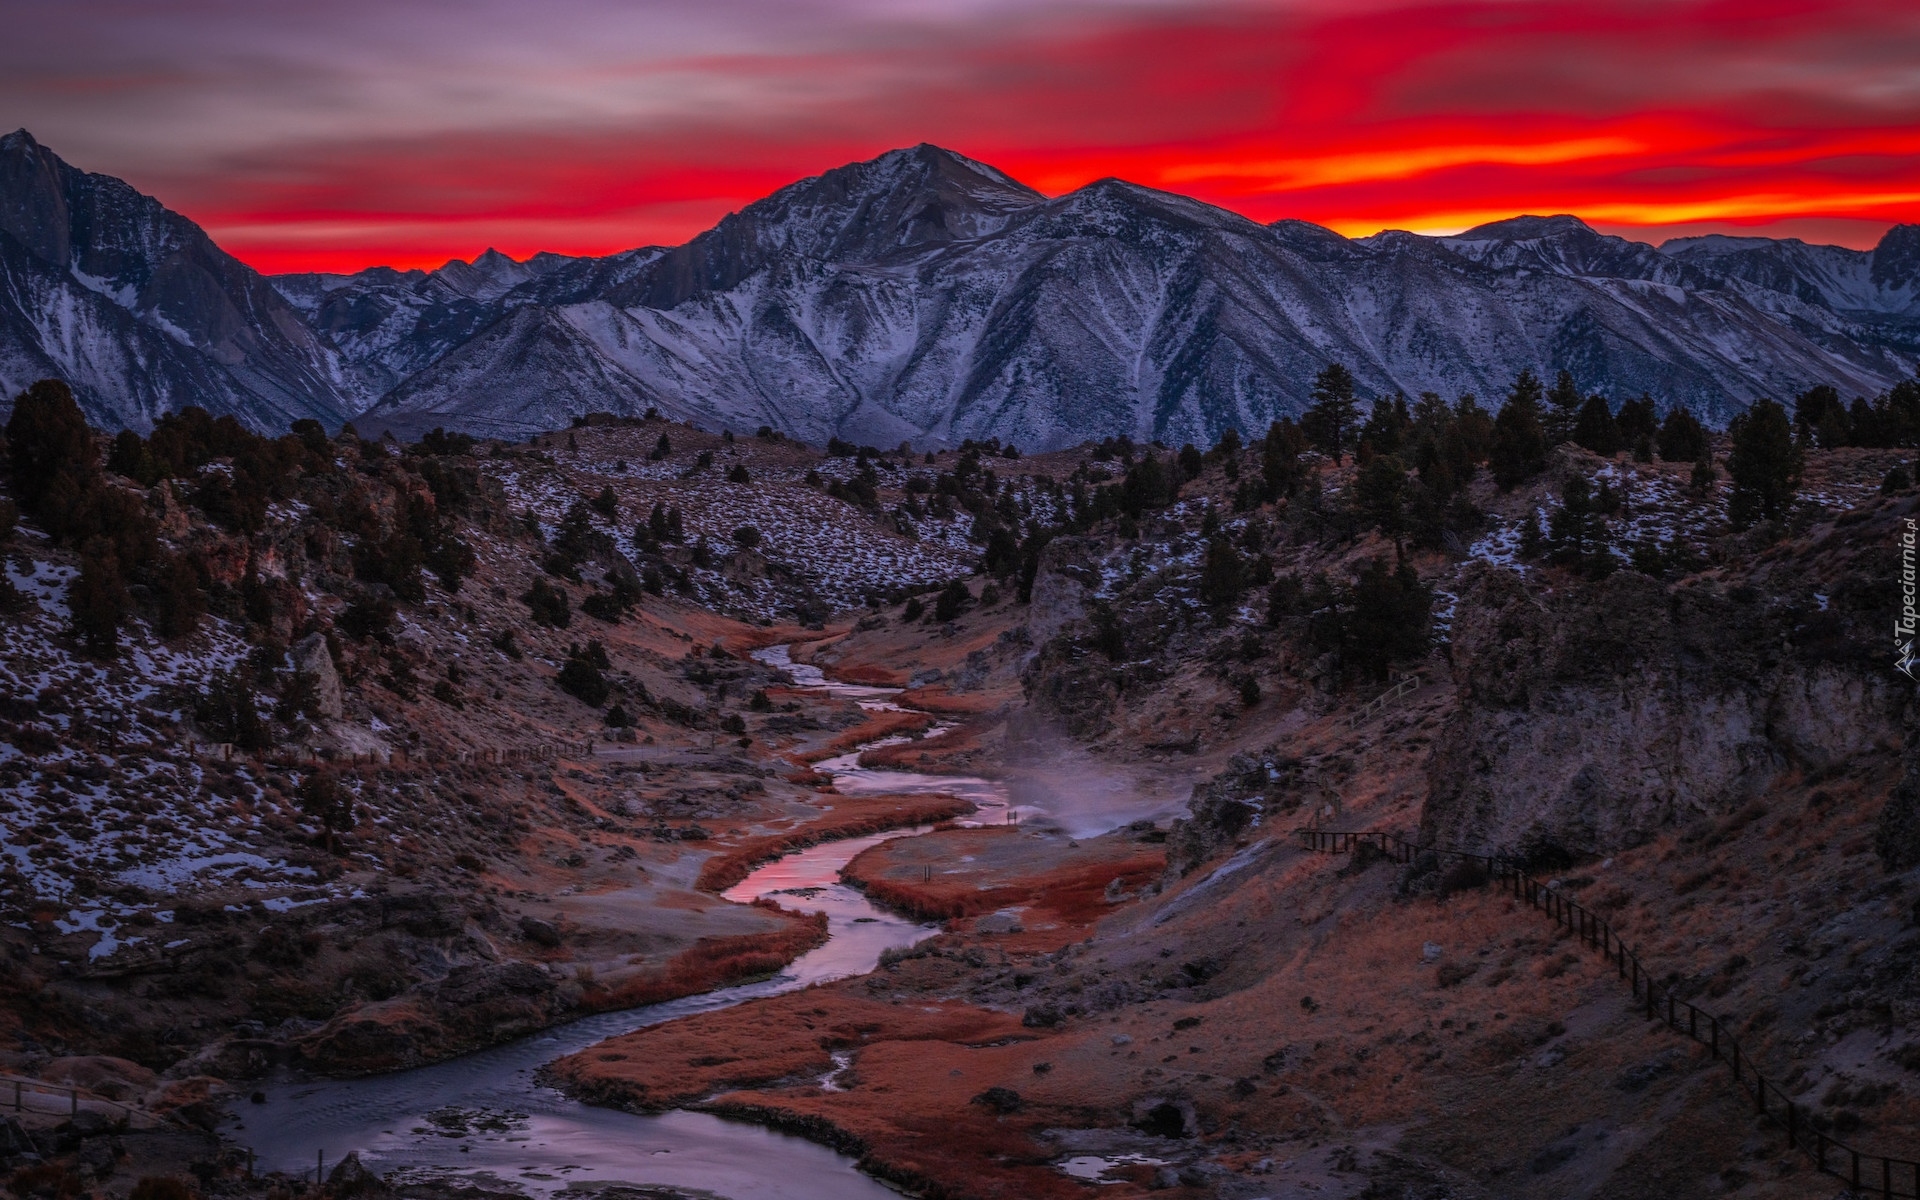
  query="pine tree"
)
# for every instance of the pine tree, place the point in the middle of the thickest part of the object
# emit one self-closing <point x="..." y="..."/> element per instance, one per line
<point x="1639" y="425"/>
<point x="52" y="456"/>
<point x="1223" y="574"/>
<point x="1280" y="468"/>
<point x="1682" y="437"/>
<point x="1596" y="429"/>
<point x="1577" y="533"/>
<point x="1562" y="410"/>
<point x="1329" y="421"/>
<point x="1820" y="418"/>
<point x="1192" y="462"/>
<point x="98" y="599"/>
<point x="1519" y="450"/>
<point x="1387" y="426"/>
<point x="1380" y="493"/>
<point x="1763" y="465"/>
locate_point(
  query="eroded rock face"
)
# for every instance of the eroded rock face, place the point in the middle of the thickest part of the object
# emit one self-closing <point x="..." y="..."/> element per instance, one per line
<point x="1591" y="717"/>
<point x="1226" y="808"/>
<point x="1063" y="586"/>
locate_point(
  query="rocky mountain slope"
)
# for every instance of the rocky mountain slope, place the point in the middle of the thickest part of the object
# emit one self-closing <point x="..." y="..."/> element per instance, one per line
<point x="925" y="296"/>
<point x="137" y="308"/>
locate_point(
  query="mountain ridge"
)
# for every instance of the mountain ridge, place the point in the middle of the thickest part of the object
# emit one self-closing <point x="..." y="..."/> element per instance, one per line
<point x="922" y="295"/>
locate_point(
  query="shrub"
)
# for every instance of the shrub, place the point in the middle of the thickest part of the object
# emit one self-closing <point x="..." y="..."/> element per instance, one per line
<point x="548" y="605"/>
<point x="952" y="600"/>
<point x="369" y="616"/>
<point x="607" y="504"/>
<point x="322" y="797"/>
<point x="739" y="474"/>
<point x="581" y="677"/>
<point x="747" y="537"/>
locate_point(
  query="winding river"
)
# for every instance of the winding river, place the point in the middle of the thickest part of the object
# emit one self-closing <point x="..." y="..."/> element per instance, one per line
<point x="484" y="1115"/>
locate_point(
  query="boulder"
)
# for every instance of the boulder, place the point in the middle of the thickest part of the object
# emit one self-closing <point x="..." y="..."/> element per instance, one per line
<point x="104" y="1075"/>
<point x="311" y="657"/>
<point x="352" y="1178"/>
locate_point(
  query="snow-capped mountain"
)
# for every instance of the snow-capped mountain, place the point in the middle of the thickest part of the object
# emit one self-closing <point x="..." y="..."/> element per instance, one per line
<point x="925" y="296"/>
<point x="139" y="310"/>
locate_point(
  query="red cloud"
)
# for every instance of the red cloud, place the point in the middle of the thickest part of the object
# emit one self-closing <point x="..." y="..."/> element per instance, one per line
<point x="1769" y="114"/>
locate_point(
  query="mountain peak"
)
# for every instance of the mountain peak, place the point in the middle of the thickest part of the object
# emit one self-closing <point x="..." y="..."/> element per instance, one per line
<point x="1522" y="228"/>
<point x="1896" y="260"/>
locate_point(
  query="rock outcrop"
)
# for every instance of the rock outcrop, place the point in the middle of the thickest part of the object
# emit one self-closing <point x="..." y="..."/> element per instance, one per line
<point x="1592" y="716"/>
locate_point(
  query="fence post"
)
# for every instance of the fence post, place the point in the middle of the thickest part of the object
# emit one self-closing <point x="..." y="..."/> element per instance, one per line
<point x="73" y="1101"/>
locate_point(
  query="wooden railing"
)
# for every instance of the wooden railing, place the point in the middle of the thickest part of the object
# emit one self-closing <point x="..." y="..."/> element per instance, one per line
<point x="24" y="1094"/>
<point x="397" y="756"/>
<point x="1869" y="1174"/>
<point x="1406" y="684"/>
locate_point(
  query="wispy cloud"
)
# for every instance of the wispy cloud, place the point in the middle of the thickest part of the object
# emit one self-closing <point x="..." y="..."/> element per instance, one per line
<point x="414" y="130"/>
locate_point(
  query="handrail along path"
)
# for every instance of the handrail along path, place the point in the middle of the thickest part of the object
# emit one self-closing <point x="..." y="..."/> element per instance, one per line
<point x="1868" y="1174"/>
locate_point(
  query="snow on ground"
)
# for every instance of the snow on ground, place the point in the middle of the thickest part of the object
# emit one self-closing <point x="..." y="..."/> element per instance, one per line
<point x="90" y="843"/>
<point x="841" y="552"/>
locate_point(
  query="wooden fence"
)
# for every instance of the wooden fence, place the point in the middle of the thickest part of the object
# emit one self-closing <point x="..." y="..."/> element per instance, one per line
<point x="398" y="756"/>
<point x="1869" y="1174"/>
<point x="1406" y="684"/>
<point x="38" y="1096"/>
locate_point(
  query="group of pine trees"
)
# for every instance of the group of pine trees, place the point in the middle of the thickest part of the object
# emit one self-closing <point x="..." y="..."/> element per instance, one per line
<point x="103" y="507"/>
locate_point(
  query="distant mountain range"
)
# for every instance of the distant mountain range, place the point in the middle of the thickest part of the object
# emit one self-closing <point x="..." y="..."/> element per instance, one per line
<point x="925" y="296"/>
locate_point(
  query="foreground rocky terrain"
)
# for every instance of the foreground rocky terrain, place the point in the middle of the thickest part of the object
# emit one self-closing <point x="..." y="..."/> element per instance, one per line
<point x="467" y="738"/>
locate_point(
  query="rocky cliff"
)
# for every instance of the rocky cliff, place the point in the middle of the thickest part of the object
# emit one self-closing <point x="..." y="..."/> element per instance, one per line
<point x="1590" y="716"/>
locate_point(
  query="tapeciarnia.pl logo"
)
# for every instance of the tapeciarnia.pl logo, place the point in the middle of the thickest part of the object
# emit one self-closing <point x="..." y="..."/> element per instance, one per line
<point x="1903" y="625"/>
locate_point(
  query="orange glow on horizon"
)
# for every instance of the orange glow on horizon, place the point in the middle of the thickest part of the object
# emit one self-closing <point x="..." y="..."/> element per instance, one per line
<point x="1778" y="117"/>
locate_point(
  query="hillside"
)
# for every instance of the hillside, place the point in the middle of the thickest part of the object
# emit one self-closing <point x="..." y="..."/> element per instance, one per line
<point x="330" y="756"/>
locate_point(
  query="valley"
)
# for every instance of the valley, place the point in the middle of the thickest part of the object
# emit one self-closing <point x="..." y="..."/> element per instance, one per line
<point x="642" y="811"/>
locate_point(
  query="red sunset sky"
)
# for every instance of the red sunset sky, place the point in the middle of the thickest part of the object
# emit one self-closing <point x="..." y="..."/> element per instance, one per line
<point x="412" y="131"/>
